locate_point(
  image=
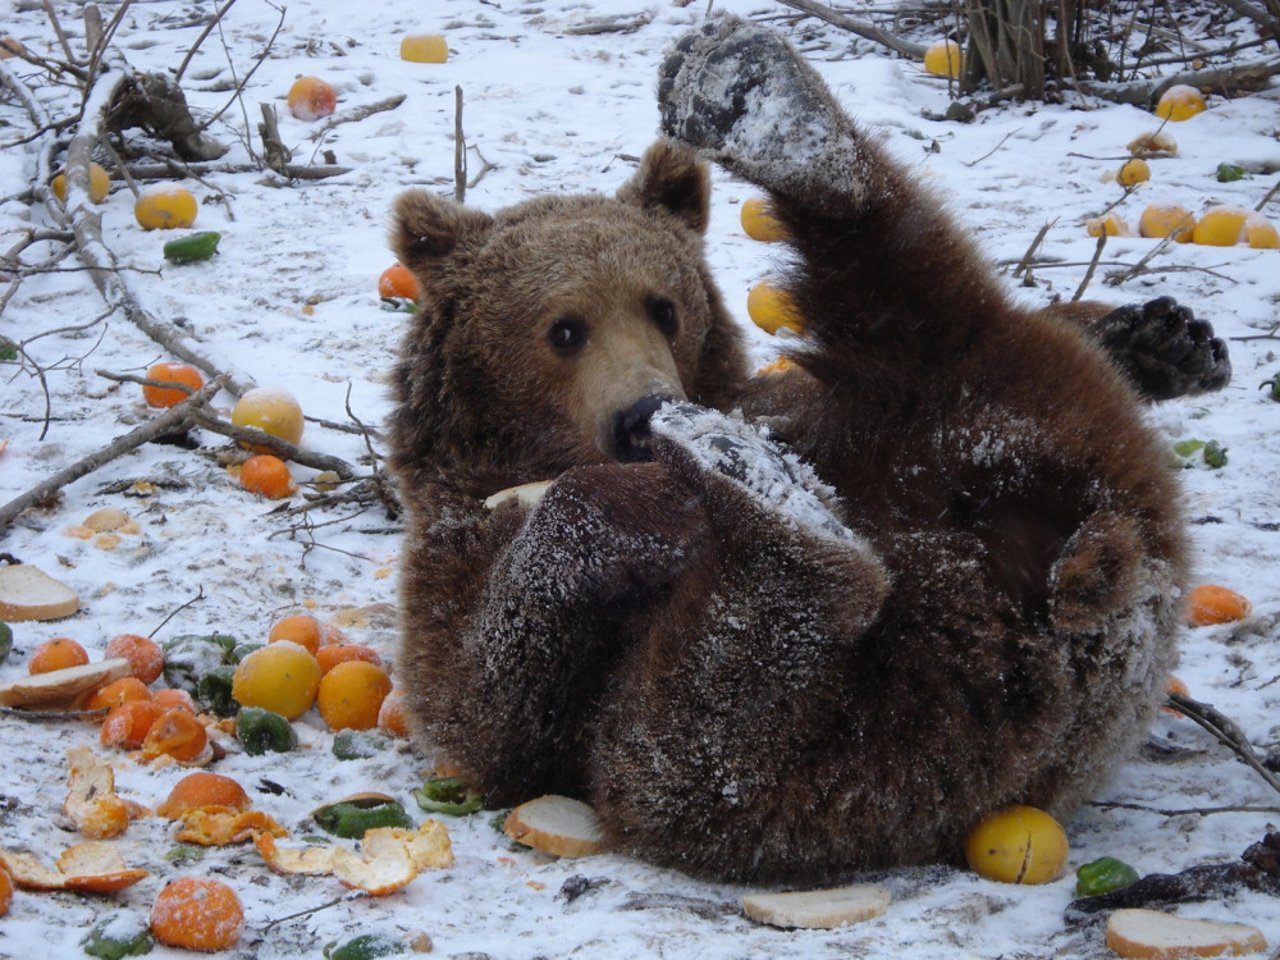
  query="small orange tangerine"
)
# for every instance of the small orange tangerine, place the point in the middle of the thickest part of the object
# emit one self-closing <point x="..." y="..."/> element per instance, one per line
<point x="56" y="653"/>
<point x="203" y="789"/>
<point x="127" y="725"/>
<point x="167" y="698"/>
<point x="398" y="281"/>
<point x="351" y="694"/>
<point x="302" y="628"/>
<point x="1175" y="685"/>
<point x="197" y="913"/>
<point x="117" y="692"/>
<point x="331" y="634"/>
<point x="392" y="717"/>
<point x="175" y="732"/>
<point x="146" y="659"/>
<point x="266" y="475"/>
<point x="1210" y="604"/>
<point x="335" y="653"/>
<point x="167" y="372"/>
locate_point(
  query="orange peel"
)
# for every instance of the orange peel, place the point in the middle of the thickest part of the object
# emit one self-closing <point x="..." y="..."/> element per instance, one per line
<point x="92" y="803"/>
<point x="91" y="867"/>
<point x="216" y="826"/>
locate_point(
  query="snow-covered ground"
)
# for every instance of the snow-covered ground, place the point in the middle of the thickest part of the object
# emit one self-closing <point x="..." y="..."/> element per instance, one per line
<point x="290" y="301"/>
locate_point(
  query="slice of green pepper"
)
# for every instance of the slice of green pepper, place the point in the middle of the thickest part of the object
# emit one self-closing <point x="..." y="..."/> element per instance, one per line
<point x="1104" y="875"/>
<point x="260" y="730"/>
<point x="448" y="796"/>
<point x="351" y="820"/>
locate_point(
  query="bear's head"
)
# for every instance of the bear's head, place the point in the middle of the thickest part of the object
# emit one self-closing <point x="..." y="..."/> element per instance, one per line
<point x="548" y="332"/>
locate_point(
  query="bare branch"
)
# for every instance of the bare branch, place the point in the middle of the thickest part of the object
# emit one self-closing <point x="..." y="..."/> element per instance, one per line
<point x="868" y="31"/>
<point x="459" y="150"/>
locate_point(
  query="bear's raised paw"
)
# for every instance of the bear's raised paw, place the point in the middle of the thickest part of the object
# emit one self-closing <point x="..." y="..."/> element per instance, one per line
<point x="1164" y="350"/>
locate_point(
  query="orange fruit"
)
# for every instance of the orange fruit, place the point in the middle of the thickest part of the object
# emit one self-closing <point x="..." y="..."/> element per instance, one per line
<point x="424" y="48"/>
<point x="331" y="634"/>
<point x="398" y="281"/>
<point x="203" y="789"/>
<point x="127" y="725"/>
<point x="1175" y="685"/>
<point x="177" y="733"/>
<point x="282" y="677"/>
<point x="99" y="184"/>
<point x="166" y="208"/>
<point x="772" y="309"/>
<point x="1209" y="604"/>
<point x="169" y="697"/>
<point x="6" y="891"/>
<point x="1162" y="219"/>
<point x="1133" y="172"/>
<point x="944" y="58"/>
<point x="270" y="409"/>
<point x="182" y="373"/>
<point x="392" y="718"/>
<point x="1180" y="102"/>
<point x="57" y="653"/>
<point x="758" y="221"/>
<point x="335" y="653"/>
<point x="302" y="628"/>
<point x="311" y="98"/>
<point x="197" y="913"/>
<point x="351" y="694"/>
<point x="117" y="692"/>
<point x="146" y="659"/>
<point x="266" y="475"/>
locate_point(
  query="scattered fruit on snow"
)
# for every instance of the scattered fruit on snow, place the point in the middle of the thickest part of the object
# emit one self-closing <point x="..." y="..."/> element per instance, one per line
<point x="1154" y="143"/>
<point x="311" y="98"/>
<point x="1210" y="604"/>
<point x="1112" y="224"/>
<point x="170" y="372"/>
<point x="758" y="221"/>
<point x="1180" y="102"/>
<point x="1229" y="172"/>
<point x="1018" y="844"/>
<point x="1162" y="219"/>
<point x="1104" y="875"/>
<point x="1133" y="172"/>
<point x="398" y="281"/>
<point x="193" y="247"/>
<point x="772" y="309"/>
<point x="266" y="475"/>
<point x="270" y="409"/>
<point x="1225" y="226"/>
<point x="424" y="48"/>
<point x="282" y="677"/>
<point x="944" y="58"/>
<point x="197" y="913"/>
<point x="165" y="208"/>
<point x="99" y="184"/>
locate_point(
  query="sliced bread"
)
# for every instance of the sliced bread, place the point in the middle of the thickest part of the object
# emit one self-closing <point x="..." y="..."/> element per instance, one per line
<point x="817" y="909"/>
<point x="557" y="825"/>
<point x="1152" y="935"/>
<point x="28" y="593"/>
<point x="61" y="686"/>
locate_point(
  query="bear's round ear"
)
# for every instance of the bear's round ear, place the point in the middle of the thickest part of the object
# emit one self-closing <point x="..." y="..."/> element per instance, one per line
<point x="427" y="228"/>
<point x="672" y="178"/>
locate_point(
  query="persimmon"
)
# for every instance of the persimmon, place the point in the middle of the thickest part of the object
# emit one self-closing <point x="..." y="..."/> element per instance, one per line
<point x="118" y="692"/>
<point x="266" y="475"/>
<point x="392" y="718"/>
<point x="177" y="733"/>
<point x="197" y="913"/>
<point x="170" y="372"/>
<point x="203" y="789"/>
<point x="302" y="628"/>
<point x="56" y="653"/>
<point x="146" y="659"/>
<point x="127" y="725"/>
<point x="351" y="694"/>
<point x="398" y="281"/>
<point x="1209" y="604"/>
<point x="311" y="98"/>
<point x="168" y="698"/>
<point x="336" y="653"/>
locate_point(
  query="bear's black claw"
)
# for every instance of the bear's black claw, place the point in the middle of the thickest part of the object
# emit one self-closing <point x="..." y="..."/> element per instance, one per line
<point x="1164" y="350"/>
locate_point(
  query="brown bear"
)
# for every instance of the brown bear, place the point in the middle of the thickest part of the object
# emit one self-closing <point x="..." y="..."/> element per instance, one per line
<point x="779" y="628"/>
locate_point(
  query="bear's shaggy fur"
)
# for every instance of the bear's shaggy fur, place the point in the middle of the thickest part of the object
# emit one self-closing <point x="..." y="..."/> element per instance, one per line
<point x="752" y="672"/>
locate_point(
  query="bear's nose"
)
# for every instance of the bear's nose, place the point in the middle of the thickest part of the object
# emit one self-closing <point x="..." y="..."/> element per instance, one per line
<point x="630" y="437"/>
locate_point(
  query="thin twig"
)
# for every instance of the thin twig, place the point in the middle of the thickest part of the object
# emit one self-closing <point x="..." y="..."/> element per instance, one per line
<point x="459" y="150"/>
<point x="208" y="28"/>
<point x="1093" y="265"/>
<point x="1226" y="731"/>
<point x="1031" y="250"/>
<point x="194" y="600"/>
<point x="868" y="31"/>
<point x="353" y="895"/>
<point x="356" y="114"/>
<point x="239" y="90"/>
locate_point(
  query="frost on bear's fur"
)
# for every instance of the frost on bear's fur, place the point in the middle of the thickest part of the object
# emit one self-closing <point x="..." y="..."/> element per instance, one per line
<point x="790" y="627"/>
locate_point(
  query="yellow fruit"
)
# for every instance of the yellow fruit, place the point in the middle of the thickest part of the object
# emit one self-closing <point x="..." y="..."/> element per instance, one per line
<point x="282" y="677"/>
<point x="1180" y="102"/>
<point x="1133" y="172"/>
<point x="1018" y="844"/>
<point x="1162" y="219"/>
<point x="99" y="184"/>
<point x="270" y="409"/>
<point x="311" y="98"/>
<point x="772" y="309"/>
<point x="1221" y="226"/>
<point x="1113" y="224"/>
<point x="759" y="223"/>
<point x="166" y="208"/>
<point x="424" y="48"/>
<point x="944" y="59"/>
<point x="1260" y="233"/>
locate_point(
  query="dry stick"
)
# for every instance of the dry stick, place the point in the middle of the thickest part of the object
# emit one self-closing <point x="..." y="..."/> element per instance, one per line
<point x="1259" y="16"/>
<point x="174" y="419"/>
<point x="485" y="167"/>
<point x="459" y="149"/>
<point x="1031" y="250"/>
<point x="1225" y="730"/>
<point x="196" y="599"/>
<point x="1143" y="92"/>
<point x="1267" y="199"/>
<point x="239" y="90"/>
<point x="1093" y="265"/>
<point x="862" y="28"/>
<point x="204" y="34"/>
<point x="974" y="163"/>
<point x="57" y="30"/>
<point x="356" y="114"/>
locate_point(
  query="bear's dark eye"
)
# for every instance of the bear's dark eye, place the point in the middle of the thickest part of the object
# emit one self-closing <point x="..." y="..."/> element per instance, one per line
<point x="663" y="314"/>
<point x="567" y="334"/>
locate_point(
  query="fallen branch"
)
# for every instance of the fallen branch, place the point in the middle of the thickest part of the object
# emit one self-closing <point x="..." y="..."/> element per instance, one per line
<point x="1025" y="262"/>
<point x="864" y="29"/>
<point x="172" y="420"/>
<point x="169" y="171"/>
<point x="459" y="149"/>
<point x="356" y="114"/>
<point x="1226" y="731"/>
<point x="1144" y="93"/>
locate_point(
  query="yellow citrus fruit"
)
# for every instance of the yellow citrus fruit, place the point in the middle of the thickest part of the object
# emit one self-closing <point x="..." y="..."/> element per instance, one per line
<point x="759" y="223"/>
<point x="99" y="184"/>
<point x="166" y="208"/>
<point x="1112" y="224"/>
<point x="1133" y="172"/>
<point x="1180" y="102"/>
<point x="1260" y="233"/>
<point x="1162" y="219"/>
<point x="1221" y="226"/>
<point x="270" y="409"/>
<point x="772" y="309"/>
<point x="351" y="695"/>
<point x="282" y="677"/>
<point x="1018" y="844"/>
<point x="944" y="59"/>
<point x="424" y="48"/>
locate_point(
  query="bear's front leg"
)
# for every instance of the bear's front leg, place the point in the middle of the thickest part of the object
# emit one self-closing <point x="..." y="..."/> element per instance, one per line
<point x="515" y="619"/>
